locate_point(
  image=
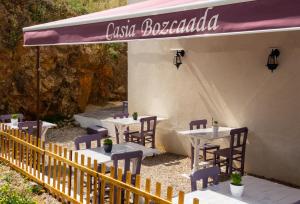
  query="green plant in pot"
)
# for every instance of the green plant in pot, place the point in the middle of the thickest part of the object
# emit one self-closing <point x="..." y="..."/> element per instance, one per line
<point x="107" y="144"/>
<point x="135" y="116"/>
<point x="236" y="186"/>
<point x="14" y="119"/>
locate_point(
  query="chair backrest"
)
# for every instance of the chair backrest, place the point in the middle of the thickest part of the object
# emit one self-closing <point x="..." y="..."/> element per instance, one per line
<point x="204" y="174"/>
<point x="148" y="125"/>
<point x="238" y="139"/>
<point x="127" y="158"/>
<point x="87" y="140"/>
<point x="197" y="124"/>
<point x="120" y="115"/>
<point x="29" y="126"/>
<point x="125" y="106"/>
<point x="7" y="117"/>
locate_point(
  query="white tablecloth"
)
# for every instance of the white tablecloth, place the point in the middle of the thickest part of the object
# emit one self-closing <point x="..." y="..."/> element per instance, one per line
<point x="257" y="191"/>
<point x="45" y="127"/>
<point x="102" y="157"/>
<point x="198" y="135"/>
<point x="123" y="123"/>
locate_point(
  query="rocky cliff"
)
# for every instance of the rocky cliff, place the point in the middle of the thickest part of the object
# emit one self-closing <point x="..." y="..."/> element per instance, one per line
<point x="71" y="76"/>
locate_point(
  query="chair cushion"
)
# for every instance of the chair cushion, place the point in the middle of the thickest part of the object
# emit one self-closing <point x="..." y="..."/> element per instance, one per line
<point x="95" y="129"/>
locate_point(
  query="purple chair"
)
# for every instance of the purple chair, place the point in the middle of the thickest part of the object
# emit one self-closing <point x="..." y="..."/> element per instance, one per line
<point x="207" y="148"/>
<point x="29" y="126"/>
<point x="147" y="132"/>
<point x="125" y="106"/>
<point x="7" y="118"/>
<point x="87" y="140"/>
<point x="236" y="151"/>
<point x="127" y="157"/>
<point x="204" y="174"/>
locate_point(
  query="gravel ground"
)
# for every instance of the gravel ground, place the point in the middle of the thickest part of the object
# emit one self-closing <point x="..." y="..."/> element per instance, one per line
<point x="165" y="168"/>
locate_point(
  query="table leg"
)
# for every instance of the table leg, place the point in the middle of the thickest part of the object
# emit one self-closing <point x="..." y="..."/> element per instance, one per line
<point x="43" y="133"/>
<point x="196" y="144"/>
<point x="134" y="165"/>
<point x="121" y="129"/>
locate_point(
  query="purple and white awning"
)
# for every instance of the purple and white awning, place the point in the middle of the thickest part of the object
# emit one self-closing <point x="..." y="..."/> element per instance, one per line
<point x="157" y="19"/>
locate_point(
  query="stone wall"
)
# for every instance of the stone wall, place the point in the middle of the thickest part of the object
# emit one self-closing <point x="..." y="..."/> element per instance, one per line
<point x="71" y="76"/>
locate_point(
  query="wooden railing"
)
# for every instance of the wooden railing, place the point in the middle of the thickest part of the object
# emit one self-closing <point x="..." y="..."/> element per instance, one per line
<point x="73" y="179"/>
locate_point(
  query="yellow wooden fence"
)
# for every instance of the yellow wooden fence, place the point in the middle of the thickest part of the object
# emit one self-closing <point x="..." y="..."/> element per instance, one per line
<point x="73" y="179"/>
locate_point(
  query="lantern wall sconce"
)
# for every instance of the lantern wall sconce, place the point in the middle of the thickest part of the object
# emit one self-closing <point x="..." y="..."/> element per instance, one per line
<point x="177" y="61"/>
<point x="272" y="63"/>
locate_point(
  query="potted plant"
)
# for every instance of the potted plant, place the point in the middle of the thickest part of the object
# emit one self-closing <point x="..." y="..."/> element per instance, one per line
<point x="14" y="119"/>
<point x="236" y="186"/>
<point x="107" y="144"/>
<point x="135" y="116"/>
<point x="215" y="125"/>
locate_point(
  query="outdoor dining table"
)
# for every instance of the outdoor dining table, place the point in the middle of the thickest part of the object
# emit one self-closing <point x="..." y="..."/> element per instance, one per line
<point x="101" y="156"/>
<point x="123" y="123"/>
<point x="257" y="191"/>
<point x="196" y="136"/>
<point x="45" y="127"/>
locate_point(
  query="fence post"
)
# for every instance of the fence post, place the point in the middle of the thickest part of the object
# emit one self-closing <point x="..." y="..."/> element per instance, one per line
<point x="181" y="197"/>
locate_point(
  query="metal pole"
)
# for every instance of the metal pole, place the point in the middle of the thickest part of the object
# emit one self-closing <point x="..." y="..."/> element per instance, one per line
<point x="38" y="93"/>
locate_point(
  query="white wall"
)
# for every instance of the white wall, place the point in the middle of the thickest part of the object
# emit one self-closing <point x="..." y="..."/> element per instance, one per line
<point x="225" y="77"/>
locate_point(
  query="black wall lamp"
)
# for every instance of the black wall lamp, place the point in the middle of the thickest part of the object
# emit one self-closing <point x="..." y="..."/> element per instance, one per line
<point x="272" y="63"/>
<point x="177" y="61"/>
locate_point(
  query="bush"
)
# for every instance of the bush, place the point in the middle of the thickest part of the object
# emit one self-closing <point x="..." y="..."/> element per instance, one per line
<point x="8" y="196"/>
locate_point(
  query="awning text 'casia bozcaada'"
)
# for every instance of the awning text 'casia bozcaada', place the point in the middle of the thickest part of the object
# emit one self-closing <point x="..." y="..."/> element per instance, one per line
<point x="157" y="19"/>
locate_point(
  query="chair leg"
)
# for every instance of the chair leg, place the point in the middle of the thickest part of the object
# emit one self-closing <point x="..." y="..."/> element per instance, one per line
<point x="227" y="166"/>
<point x="242" y="165"/>
<point x="143" y="141"/>
<point x="230" y="166"/>
<point x="153" y="142"/>
<point x="192" y="156"/>
<point x="204" y="154"/>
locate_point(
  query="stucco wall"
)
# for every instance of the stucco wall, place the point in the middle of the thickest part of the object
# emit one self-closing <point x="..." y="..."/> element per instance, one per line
<point x="225" y="78"/>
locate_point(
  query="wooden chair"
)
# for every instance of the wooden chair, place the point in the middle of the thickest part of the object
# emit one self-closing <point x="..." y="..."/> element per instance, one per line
<point x="125" y="106"/>
<point x="147" y="132"/>
<point x="127" y="159"/>
<point x="30" y="126"/>
<point x="87" y="140"/>
<point x="236" y="151"/>
<point x="207" y="148"/>
<point x="6" y="118"/>
<point x="204" y="175"/>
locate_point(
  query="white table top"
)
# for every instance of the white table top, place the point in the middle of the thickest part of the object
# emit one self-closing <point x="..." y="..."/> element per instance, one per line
<point x="102" y="157"/>
<point x="206" y="133"/>
<point x="257" y="191"/>
<point x="44" y="125"/>
<point x="128" y="121"/>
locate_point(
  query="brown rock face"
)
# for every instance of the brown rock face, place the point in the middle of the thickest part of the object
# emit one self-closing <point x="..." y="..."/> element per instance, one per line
<point x="71" y="76"/>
